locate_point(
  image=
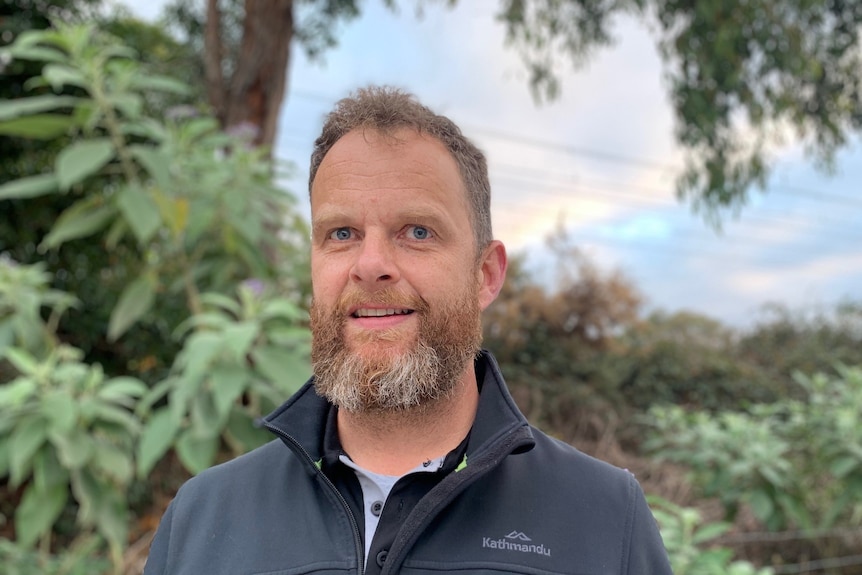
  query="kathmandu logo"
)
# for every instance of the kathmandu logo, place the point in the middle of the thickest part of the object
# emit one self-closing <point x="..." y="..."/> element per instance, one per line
<point x="516" y="541"/>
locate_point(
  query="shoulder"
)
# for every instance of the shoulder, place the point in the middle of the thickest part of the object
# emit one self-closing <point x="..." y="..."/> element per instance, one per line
<point x="245" y="476"/>
<point x="561" y="462"/>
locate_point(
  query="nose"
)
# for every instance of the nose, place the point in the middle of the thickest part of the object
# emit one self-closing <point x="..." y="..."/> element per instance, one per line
<point x="375" y="264"/>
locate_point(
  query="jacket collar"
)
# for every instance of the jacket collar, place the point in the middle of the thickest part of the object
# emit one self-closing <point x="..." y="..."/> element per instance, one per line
<point x="301" y="420"/>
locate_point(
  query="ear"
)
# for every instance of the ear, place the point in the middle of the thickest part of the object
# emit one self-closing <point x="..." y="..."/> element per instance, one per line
<point x="491" y="272"/>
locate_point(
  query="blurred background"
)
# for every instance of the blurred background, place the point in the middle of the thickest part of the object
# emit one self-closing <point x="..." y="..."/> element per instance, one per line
<point x="677" y="185"/>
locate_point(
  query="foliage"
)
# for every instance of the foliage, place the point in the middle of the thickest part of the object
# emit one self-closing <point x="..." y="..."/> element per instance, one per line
<point x="688" y="359"/>
<point x="186" y="214"/>
<point x="251" y="349"/>
<point x="690" y="544"/>
<point x="794" y="463"/>
<point x="64" y="423"/>
<point x="786" y="341"/>
<point x="743" y="75"/>
<point x="80" y="559"/>
<point x="24" y="293"/>
<point x="558" y="347"/>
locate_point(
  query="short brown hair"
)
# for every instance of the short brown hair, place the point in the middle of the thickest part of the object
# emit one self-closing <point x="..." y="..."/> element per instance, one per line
<point x="386" y="109"/>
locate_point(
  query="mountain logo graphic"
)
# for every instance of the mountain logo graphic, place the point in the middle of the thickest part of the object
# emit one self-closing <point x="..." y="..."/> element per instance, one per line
<point x="518" y="535"/>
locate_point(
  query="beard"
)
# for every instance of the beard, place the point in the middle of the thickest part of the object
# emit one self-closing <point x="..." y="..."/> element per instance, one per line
<point x="383" y="376"/>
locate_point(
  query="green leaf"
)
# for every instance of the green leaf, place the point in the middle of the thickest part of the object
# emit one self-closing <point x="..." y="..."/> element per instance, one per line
<point x="37" y="512"/>
<point x="241" y="427"/>
<point x="761" y="505"/>
<point x="196" y="453"/>
<point x="21" y="360"/>
<point x="112" y="517"/>
<point x="135" y="301"/>
<point x="74" y="449"/>
<point x="112" y="414"/>
<point x="155" y="162"/>
<point x="122" y="390"/>
<point x="26" y="440"/>
<point x="709" y="532"/>
<point x="40" y="127"/>
<point x="82" y="159"/>
<point x="129" y="105"/>
<point x="60" y="412"/>
<point x="47" y="470"/>
<point x="204" y="417"/>
<point x="156" y="439"/>
<point x="844" y="465"/>
<point x="197" y="354"/>
<point x="38" y="53"/>
<point x="30" y="187"/>
<point x="15" y="393"/>
<point x="227" y="385"/>
<point x="282" y="308"/>
<point x="140" y="212"/>
<point x="82" y="219"/>
<point x="113" y="462"/>
<point x="59" y="75"/>
<point x="283" y="368"/>
<point x="25" y="106"/>
<point x="238" y="339"/>
<point x="222" y="301"/>
<point x="160" y="84"/>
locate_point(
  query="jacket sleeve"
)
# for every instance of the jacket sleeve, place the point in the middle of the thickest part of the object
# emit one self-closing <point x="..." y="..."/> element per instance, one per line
<point x="646" y="554"/>
<point x="157" y="560"/>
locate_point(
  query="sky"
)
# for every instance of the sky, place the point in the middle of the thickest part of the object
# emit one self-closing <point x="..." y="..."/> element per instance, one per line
<point x="600" y="161"/>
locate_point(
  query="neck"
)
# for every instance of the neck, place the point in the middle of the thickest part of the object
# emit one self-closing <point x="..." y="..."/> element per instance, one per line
<point x="393" y="443"/>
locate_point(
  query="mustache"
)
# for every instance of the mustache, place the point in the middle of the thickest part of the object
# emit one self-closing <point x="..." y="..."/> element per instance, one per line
<point x="389" y="297"/>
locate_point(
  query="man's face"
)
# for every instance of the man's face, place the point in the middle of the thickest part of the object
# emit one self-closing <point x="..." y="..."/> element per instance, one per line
<point x="397" y="287"/>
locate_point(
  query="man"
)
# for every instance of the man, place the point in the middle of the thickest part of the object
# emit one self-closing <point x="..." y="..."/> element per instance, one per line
<point x="405" y="452"/>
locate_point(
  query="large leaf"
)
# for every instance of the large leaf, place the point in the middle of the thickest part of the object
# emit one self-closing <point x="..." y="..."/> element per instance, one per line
<point x="196" y="453"/>
<point x="26" y="440"/>
<point x="238" y="339"/>
<point x="82" y="159"/>
<point x="59" y="75"/>
<point x="160" y="84"/>
<point x="156" y="439"/>
<point x="113" y="462"/>
<point x="30" y="187"/>
<point x="74" y="449"/>
<point x="135" y="301"/>
<point x="38" y="510"/>
<point x="284" y="369"/>
<point x="227" y="385"/>
<point x="40" y="127"/>
<point x="25" y="106"/>
<point x="122" y="390"/>
<point x="140" y="212"/>
<point x="82" y="219"/>
<point x="241" y="427"/>
<point x="155" y="162"/>
<point x="13" y="394"/>
<point x="21" y="360"/>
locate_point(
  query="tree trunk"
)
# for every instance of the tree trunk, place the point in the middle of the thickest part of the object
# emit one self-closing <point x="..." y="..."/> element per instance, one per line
<point x="213" y="60"/>
<point x="251" y="99"/>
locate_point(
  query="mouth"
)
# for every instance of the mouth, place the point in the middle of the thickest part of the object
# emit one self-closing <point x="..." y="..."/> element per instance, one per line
<point x="380" y="312"/>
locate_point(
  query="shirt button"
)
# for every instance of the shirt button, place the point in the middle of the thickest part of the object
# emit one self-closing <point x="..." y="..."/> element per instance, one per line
<point x="376" y="508"/>
<point x="381" y="557"/>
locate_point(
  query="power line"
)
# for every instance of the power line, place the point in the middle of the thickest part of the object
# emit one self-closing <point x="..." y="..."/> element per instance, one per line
<point x="603" y="155"/>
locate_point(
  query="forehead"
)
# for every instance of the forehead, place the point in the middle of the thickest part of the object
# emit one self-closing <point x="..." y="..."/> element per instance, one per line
<point x="402" y="162"/>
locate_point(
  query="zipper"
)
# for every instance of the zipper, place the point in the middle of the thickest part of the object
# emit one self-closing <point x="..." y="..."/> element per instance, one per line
<point x="357" y="539"/>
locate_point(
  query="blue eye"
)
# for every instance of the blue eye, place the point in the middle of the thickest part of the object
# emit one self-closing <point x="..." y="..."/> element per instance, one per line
<point x="341" y="234"/>
<point x="419" y="233"/>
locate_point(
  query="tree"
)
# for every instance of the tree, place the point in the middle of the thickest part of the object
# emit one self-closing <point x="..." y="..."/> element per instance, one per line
<point x="744" y="75"/>
<point x="246" y="48"/>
